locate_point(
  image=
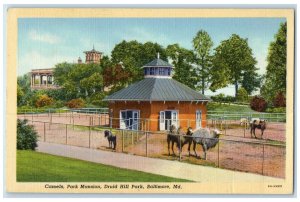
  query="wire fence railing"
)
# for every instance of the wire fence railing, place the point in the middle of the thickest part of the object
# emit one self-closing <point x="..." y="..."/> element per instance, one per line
<point x="244" y="154"/>
<point x="225" y="115"/>
<point x="274" y="130"/>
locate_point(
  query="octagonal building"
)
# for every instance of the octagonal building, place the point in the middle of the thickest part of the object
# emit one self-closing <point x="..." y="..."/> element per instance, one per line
<point x="157" y="101"/>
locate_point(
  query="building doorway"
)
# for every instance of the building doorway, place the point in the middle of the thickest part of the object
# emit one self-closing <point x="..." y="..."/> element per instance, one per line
<point x="129" y="119"/>
<point x="198" y="119"/>
<point x="168" y="118"/>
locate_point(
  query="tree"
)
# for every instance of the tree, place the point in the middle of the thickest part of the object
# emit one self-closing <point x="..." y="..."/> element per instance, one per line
<point x="232" y="58"/>
<point x="202" y="44"/>
<point x="242" y="95"/>
<point x="115" y="76"/>
<point x="258" y="104"/>
<point x="251" y="81"/>
<point x="133" y="55"/>
<point x="79" y="80"/>
<point x="75" y="103"/>
<point x="182" y="60"/>
<point x="20" y="95"/>
<point x="279" y="100"/>
<point x="44" y="100"/>
<point x="24" y="93"/>
<point x="26" y="136"/>
<point x="275" y="78"/>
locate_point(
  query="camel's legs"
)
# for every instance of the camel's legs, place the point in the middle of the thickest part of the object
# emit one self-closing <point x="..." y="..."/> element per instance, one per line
<point x="254" y="133"/>
<point x="173" y="147"/>
<point x="204" y="150"/>
<point x="194" y="148"/>
<point x="189" y="148"/>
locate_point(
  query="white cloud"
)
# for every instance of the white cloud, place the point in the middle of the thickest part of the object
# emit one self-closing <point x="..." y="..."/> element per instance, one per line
<point x="44" y="37"/>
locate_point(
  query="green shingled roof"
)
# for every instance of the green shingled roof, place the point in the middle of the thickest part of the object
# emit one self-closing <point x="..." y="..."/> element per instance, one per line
<point x="158" y="63"/>
<point x="157" y="89"/>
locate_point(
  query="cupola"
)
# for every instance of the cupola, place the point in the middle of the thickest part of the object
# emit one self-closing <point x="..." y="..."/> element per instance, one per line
<point x="158" y="69"/>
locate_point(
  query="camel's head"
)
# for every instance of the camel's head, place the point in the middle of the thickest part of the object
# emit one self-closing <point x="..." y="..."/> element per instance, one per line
<point x="217" y="133"/>
<point x="179" y="129"/>
<point x="106" y="133"/>
<point x="189" y="131"/>
<point x="172" y="128"/>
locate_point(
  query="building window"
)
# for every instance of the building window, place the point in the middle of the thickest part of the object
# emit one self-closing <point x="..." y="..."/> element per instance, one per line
<point x="161" y="71"/>
<point x="152" y="71"/>
<point x="169" y="71"/>
<point x="156" y="70"/>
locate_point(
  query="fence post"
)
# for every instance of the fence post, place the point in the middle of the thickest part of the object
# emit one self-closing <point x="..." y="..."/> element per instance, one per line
<point x="44" y="132"/>
<point x="89" y="136"/>
<point x="225" y="126"/>
<point x="146" y="144"/>
<point x="263" y="161"/>
<point x="50" y="118"/>
<point x="219" y="153"/>
<point x="122" y="141"/>
<point x="221" y="123"/>
<point x="66" y="133"/>
<point x="179" y="147"/>
<point x="244" y="130"/>
<point x="132" y="138"/>
<point x="73" y="121"/>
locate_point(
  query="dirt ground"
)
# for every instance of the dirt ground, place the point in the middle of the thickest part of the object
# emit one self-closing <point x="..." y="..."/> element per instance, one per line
<point x="236" y="149"/>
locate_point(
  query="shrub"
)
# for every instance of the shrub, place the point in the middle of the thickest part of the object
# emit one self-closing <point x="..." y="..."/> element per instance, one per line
<point x="222" y="98"/>
<point x="242" y="95"/>
<point x="258" y="104"/>
<point x="44" y="100"/>
<point x="276" y="110"/>
<point x="75" y="103"/>
<point x="26" y="136"/>
<point x="279" y="100"/>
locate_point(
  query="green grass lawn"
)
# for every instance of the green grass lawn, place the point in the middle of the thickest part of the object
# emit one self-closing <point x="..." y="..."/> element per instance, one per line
<point x="228" y="107"/>
<point x="40" y="167"/>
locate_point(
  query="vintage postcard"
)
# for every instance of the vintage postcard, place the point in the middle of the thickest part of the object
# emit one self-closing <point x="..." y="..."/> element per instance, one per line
<point x="107" y="100"/>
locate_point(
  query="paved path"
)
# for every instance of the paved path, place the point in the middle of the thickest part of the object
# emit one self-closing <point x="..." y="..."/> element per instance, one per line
<point x="169" y="168"/>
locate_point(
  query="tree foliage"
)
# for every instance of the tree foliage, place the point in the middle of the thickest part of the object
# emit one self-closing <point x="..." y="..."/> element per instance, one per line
<point x="132" y="55"/>
<point x="232" y="58"/>
<point x="76" y="103"/>
<point x="203" y="44"/>
<point x="258" y="104"/>
<point x="275" y="78"/>
<point x="115" y="76"/>
<point x="242" y="95"/>
<point x="251" y="81"/>
<point x="79" y="80"/>
<point x="182" y="60"/>
<point x="44" y="100"/>
<point x="279" y="100"/>
<point x="26" y="135"/>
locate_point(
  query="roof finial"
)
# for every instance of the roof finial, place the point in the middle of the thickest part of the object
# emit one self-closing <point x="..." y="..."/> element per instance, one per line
<point x="158" y="55"/>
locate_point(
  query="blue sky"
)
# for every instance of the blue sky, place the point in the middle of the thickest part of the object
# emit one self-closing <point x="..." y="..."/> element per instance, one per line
<point x="44" y="42"/>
